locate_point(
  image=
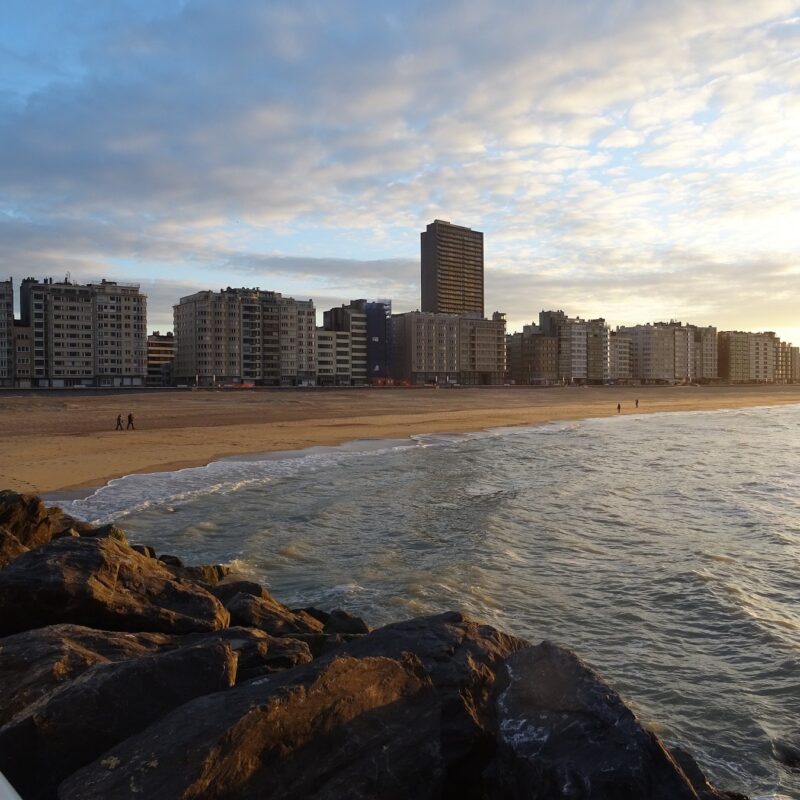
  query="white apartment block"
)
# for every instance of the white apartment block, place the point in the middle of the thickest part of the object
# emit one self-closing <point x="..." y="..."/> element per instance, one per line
<point x="6" y="333"/>
<point x="334" y="358"/>
<point x="245" y="336"/>
<point x="583" y="347"/>
<point x="351" y="319"/>
<point x="619" y="357"/>
<point x="84" y="335"/>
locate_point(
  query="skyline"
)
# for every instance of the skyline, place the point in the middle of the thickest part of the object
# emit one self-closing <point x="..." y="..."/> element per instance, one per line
<point x="623" y="161"/>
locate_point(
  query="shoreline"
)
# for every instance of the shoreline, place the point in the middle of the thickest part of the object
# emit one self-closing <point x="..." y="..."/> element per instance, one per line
<point x="70" y="455"/>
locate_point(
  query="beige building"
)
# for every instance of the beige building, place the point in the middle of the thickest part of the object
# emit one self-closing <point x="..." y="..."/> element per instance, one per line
<point x="583" y="355"/>
<point x="245" y="336"/>
<point x="23" y="355"/>
<point x="620" y="369"/>
<point x="452" y="269"/>
<point x="448" y="348"/>
<point x="160" y="358"/>
<point x="85" y="335"/>
<point x="706" y="355"/>
<point x="334" y="358"/>
<point x="6" y="333"/>
<point x="746" y="357"/>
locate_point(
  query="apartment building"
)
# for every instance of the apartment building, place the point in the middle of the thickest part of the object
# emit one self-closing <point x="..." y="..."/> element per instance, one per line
<point x="378" y="314"/>
<point x="351" y="319"/>
<point x="706" y="353"/>
<point x="620" y="346"/>
<point x="583" y="355"/>
<point x="451" y="269"/>
<point x="334" y="358"/>
<point x="482" y="349"/>
<point x="85" y="335"/>
<point x="245" y="336"/>
<point x="532" y="357"/>
<point x="748" y="357"/>
<point x="160" y="358"/>
<point x="23" y="355"/>
<point x="6" y="333"/>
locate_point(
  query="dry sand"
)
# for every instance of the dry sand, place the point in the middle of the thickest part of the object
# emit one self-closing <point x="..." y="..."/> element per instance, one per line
<point x="66" y="440"/>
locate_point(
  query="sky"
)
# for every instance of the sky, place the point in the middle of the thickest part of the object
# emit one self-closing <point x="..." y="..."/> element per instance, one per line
<point x="638" y="161"/>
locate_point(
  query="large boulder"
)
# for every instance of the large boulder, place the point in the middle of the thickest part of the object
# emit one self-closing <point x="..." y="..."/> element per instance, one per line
<point x="103" y="583"/>
<point x="462" y="658"/>
<point x="37" y="662"/>
<point x="355" y="728"/>
<point x="32" y="522"/>
<point x="267" y="614"/>
<point x="77" y="723"/>
<point x="563" y="732"/>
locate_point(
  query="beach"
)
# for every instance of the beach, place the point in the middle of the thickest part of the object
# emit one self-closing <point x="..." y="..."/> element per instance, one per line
<point x="65" y="440"/>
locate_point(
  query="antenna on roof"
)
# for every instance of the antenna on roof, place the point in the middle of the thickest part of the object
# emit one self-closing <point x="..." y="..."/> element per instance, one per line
<point x="68" y="277"/>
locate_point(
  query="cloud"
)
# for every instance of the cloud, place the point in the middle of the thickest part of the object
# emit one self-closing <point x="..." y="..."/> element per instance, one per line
<point x="621" y="156"/>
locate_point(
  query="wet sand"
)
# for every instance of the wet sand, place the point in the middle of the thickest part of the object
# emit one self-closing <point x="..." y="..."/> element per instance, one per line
<point x="65" y="440"/>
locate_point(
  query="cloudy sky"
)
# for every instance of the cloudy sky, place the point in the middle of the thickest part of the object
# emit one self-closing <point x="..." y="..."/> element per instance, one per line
<point x="633" y="160"/>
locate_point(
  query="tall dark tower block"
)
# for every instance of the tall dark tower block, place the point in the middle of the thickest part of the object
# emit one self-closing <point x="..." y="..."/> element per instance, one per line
<point x="452" y="269"/>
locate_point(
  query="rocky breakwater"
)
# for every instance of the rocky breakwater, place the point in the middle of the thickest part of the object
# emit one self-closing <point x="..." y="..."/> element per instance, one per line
<point x="126" y="674"/>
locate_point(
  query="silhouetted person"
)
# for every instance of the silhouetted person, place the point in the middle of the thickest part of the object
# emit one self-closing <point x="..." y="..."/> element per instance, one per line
<point x="637" y="402"/>
<point x="619" y="408"/>
<point x="119" y="423"/>
<point x="130" y="423"/>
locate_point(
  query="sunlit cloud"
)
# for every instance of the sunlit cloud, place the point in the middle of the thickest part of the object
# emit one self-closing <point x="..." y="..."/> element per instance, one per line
<point x="635" y="161"/>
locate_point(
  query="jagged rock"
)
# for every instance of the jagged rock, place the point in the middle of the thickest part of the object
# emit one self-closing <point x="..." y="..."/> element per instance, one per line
<point x="230" y="586"/>
<point x="77" y="723"/>
<point x="462" y="658"/>
<point x="267" y="614"/>
<point x="145" y="550"/>
<point x="355" y="728"/>
<point x="270" y="655"/>
<point x="563" y="732"/>
<point x="341" y="622"/>
<point x="207" y="573"/>
<point x="102" y="583"/>
<point x="10" y="547"/>
<point x="25" y="516"/>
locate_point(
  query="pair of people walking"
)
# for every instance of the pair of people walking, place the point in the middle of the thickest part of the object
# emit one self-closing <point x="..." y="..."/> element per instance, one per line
<point x="130" y="423"/>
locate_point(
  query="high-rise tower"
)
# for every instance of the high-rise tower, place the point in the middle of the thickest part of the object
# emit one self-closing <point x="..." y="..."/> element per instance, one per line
<point x="452" y="269"/>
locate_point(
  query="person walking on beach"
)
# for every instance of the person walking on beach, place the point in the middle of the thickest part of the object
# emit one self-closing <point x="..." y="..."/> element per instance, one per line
<point x="130" y="423"/>
<point x="637" y="402"/>
<point x="119" y="423"/>
<point x="619" y="408"/>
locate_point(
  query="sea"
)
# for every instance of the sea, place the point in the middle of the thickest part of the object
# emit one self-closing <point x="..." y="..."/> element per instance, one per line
<point x="663" y="548"/>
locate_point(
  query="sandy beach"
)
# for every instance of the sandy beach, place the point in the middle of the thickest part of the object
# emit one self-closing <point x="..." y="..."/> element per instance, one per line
<point x="60" y="441"/>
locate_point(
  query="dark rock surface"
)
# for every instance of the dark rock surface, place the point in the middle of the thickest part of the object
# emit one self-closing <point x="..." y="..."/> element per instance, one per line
<point x="355" y="728"/>
<point x="564" y="731"/>
<point x="103" y="583"/>
<point x="77" y="723"/>
<point x="10" y="547"/>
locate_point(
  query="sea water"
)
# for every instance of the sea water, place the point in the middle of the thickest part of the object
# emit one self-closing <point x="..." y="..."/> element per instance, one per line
<point x="663" y="548"/>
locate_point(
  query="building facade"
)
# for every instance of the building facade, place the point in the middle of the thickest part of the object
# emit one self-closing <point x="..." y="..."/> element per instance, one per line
<point x="532" y="357"/>
<point x="6" y="333"/>
<point x="334" y="358"/>
<point x="245" y="336"/>
<point x="746" y="357"/>
<point x="351" y="319"/>
<point x="452" y="269"/>
<point x="378" y="314"/>
<point x="85" y="335"/>
<point x="619" y="357"/>
<point x="160" y="358"/>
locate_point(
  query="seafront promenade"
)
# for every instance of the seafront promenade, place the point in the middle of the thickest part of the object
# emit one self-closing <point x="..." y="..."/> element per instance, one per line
<point x="65" y="440"/>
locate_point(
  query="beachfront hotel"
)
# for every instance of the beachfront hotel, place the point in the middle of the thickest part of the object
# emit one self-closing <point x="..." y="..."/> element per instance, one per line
<point x="451" y="269"/>
<point x="6" y="333"/>
<point x="242" y="335"/>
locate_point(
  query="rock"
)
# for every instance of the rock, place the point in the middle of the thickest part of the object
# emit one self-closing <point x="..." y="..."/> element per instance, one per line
<point x="269" y="615"/>
<point x="145" y="550"/>
<point x="207" y="573"/>
<point x="355" y="728"/>
<point x="563" y="732"/>
<point x="270" y="655"/>
<point x="341" y="622"/>
<point x="462" y="658"/>
<point x="102" y="583"/>
<point x="77" y="723"/>
<point x="37" y="662"/>
<point x="171" y="561"/>
<point x="109" y="531"/>
<point x="228" y="588"/>
<point x="10" y="547"/>
<point x="25" y="516"/>
<point x="317" y="613"/>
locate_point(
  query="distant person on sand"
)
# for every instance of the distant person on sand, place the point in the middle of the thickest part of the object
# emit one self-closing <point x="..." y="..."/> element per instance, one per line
<point x="130" y="423"/>
<point x="637" y="402"/>
<point x="619" y="408"/>
<point x="119" y="423"/>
